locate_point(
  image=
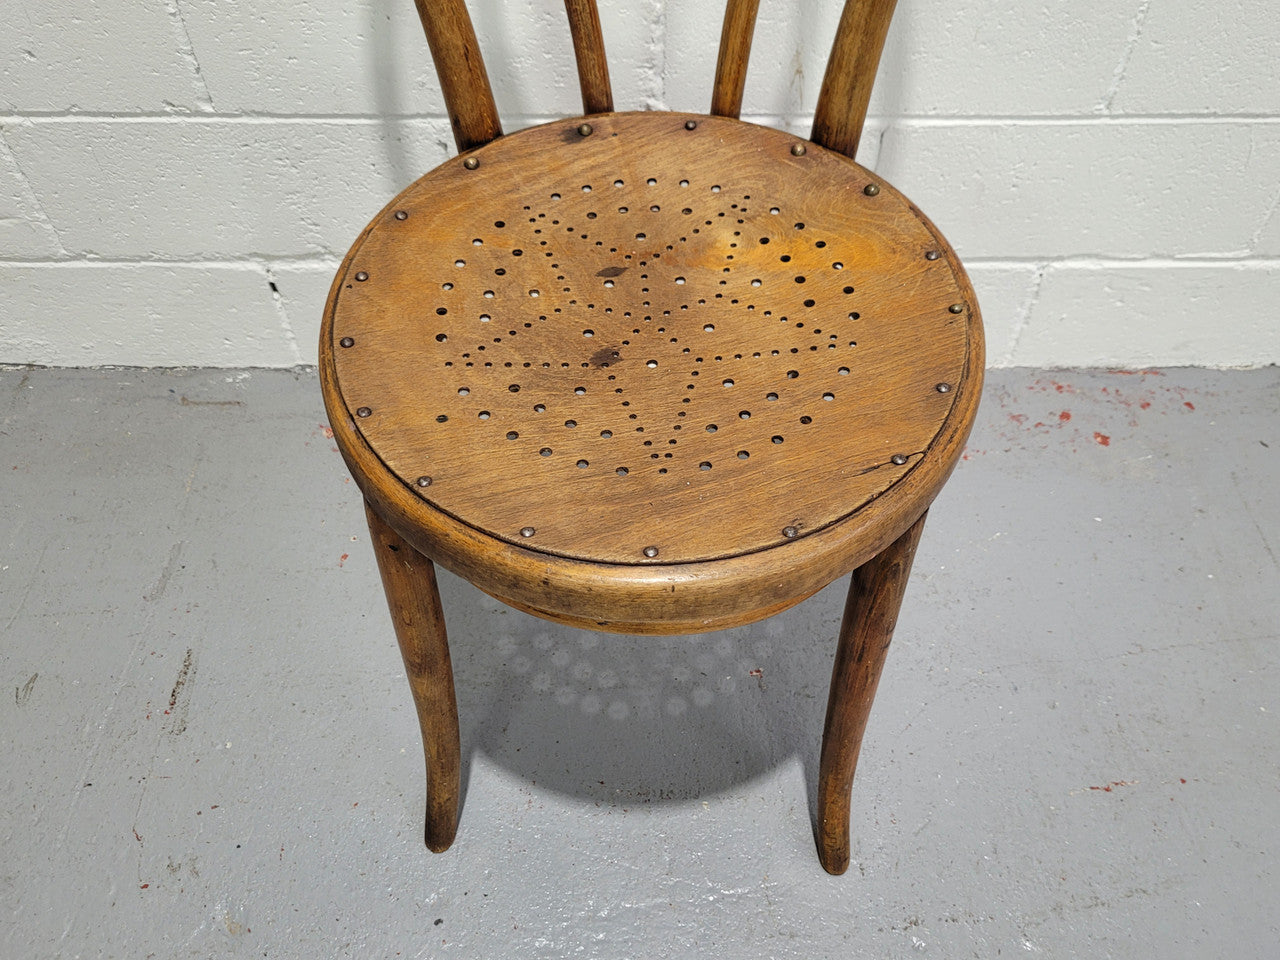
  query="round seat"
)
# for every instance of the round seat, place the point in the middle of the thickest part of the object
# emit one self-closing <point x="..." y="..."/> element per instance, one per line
<point x="651" y="372"/>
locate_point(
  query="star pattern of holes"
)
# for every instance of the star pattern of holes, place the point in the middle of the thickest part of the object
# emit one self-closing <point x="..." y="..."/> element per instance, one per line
<point x="594" y="285"/>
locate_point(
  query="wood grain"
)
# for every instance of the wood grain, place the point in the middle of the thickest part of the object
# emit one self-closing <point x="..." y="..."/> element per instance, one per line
<point x="410" y="583"/>
<point x="588" y="50"/>
<point x="460" y="67"/>
<point x="870" y="613"/>
<point x="731" y="62"/>
<point x="851" y="71"/>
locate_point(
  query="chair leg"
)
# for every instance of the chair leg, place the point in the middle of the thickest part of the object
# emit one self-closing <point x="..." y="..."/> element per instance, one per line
<point x="875" y="594"/>
<point x="409" y="579"/>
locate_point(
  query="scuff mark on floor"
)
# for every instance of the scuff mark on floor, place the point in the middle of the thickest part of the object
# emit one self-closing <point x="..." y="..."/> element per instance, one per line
<point x="180" y="697"/>
<point x="23" y="693"/>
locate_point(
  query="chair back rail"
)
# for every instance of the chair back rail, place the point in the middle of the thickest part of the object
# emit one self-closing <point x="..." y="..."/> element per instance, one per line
<point x="851" y="70"/>
<point x="731" y="63"/>
<point x="588" y="49"/>
<point x="842" y="101"/>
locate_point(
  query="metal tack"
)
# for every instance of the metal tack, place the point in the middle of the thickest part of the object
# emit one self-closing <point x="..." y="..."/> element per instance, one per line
<point x="346" y="342"/>
<point x="932" y="255"/>
<point x="691" y="124"/>
<point x="362" y="276"/>
<point x="871" y="189"/>
<point x="943" y="388"/>
<point x="527" y="531"/>
<point x="402" y="214"/>
<point x="471" y="162"/>
<point x="789" y="531"/>
<point x="363" y="411"/>
<point x="650" y="552"/>
<point x="956" y="308"/>
<point x="584" y="130"/>
<point x="797" y="149"/>
<point x="899" y="459"/>
<point x="424" y="481"/>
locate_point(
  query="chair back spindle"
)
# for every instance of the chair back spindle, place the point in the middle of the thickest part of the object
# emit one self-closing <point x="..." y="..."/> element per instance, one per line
<point x="731" y="64"/>
<point x="588" y="49"/>
<point x="460" y="67"/>
<point x="838" y="118"/>
<point x="851" y="70"/>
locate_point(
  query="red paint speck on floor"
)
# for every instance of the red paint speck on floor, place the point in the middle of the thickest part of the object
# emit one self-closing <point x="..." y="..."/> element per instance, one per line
<point x="1108" y="787"/>
<point x="1188" y="404"/>
<point x="1064" y="416"/>
<point x="1101" y="438"/>
<point x="343" y="559"/>
<point x="328" y="431"/>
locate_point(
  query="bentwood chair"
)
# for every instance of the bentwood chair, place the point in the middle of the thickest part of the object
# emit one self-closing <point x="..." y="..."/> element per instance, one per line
<point x="651" y="373"/>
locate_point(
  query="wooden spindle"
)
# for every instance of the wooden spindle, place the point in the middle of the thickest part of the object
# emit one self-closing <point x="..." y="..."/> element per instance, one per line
<point x="731" y="63"/>
<point x="851" y="69"/>
<point x="588" y="48"/>
<point x="463" y="81"/>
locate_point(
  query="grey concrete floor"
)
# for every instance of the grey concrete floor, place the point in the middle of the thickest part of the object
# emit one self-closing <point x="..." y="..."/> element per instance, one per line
<point x="210" y="750"/>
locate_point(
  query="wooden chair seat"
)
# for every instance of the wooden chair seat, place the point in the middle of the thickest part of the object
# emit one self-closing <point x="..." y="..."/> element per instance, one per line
<point x="670" y="351"/>
<point x="649" y="373"/>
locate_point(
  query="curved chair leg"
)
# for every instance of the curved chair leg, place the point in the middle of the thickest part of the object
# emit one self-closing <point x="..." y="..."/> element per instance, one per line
<point x="875" y="594"/>
<point x="409" y="579"/>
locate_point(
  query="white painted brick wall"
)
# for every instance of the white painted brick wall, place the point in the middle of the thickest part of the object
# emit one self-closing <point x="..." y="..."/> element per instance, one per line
<point x="179" y="178"/>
